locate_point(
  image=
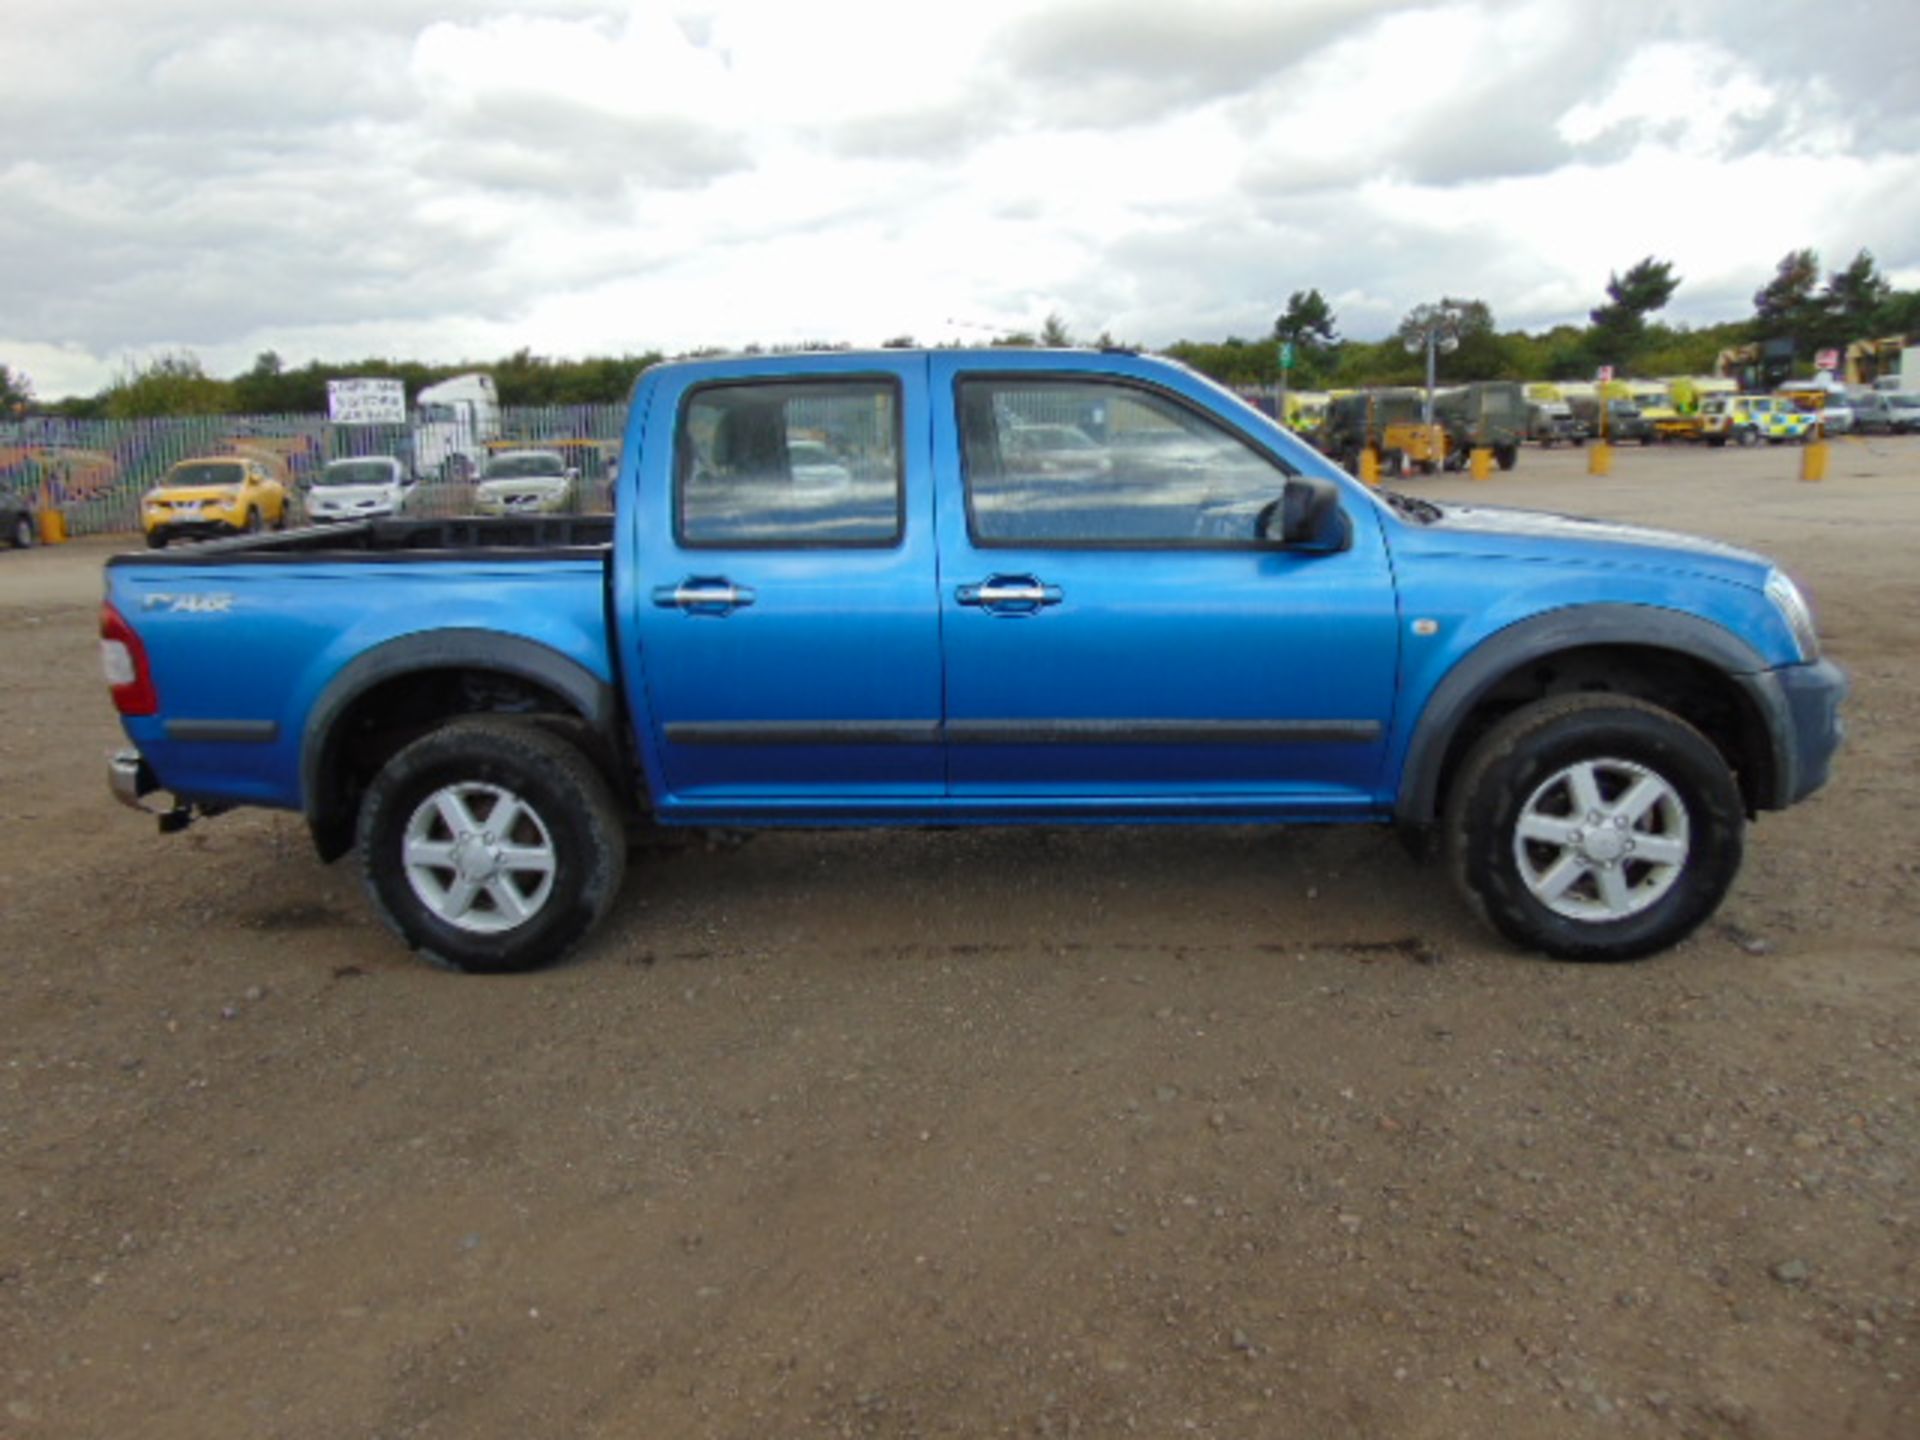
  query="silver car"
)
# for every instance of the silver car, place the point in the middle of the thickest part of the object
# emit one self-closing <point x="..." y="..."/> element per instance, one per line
<point x="525" y="482"/>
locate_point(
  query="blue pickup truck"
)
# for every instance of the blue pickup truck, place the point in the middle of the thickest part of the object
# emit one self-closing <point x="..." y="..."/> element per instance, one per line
<point x="975" y="587"/>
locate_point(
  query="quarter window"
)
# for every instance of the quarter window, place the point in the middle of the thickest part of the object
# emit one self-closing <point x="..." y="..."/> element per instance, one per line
<point x="789" y="464"/>
<point x="1077" y="463"/>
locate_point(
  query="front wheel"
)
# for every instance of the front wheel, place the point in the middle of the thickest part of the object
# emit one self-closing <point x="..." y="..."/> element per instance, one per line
<point x="491" y="845"/>
<point x="1749" y="437"/>
<point x="252" y="523"/>
<point x="1594" y="827"/>
<point x="1506" y="456"/>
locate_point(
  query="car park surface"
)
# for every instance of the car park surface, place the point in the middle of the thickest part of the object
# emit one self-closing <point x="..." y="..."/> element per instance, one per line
<point x="979" y="1133"/>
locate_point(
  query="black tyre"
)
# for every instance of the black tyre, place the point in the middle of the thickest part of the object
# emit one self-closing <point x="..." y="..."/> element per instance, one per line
<point x="252" y="523"/>
<point x="1716" y="441"/>
<point x="1506" y="456"/>
<point x="491" y="845"/>
<point x="1594" y="827"/>
<point x="1749" y="436"/>
<point x="157" y="539"/>
<point x="23" y="535"/>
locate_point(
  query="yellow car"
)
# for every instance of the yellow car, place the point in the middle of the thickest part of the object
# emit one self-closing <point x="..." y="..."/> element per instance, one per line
<point x="218" y="495"/>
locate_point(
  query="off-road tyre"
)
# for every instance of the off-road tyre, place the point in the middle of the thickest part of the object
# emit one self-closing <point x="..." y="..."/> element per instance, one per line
<point x="1519" y="761"/>
<point x="575" y="819"/>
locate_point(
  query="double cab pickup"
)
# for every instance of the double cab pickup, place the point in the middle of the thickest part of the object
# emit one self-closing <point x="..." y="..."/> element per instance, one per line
<point x="975" y="587"/>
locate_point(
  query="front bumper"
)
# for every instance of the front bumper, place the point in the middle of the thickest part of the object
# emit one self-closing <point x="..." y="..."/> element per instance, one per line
<point x="203" y="529"/>
<point x="1802" y="704"/>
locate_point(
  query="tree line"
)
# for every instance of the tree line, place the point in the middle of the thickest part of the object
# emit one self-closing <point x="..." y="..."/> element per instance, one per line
<point x="1801" y="304"/>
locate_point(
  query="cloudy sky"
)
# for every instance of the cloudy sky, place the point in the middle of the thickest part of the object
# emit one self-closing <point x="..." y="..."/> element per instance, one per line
<point x="444" y="181"/>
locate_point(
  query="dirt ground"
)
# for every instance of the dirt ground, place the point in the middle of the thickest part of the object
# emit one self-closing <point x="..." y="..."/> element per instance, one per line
<point x="1029" y="1133"/>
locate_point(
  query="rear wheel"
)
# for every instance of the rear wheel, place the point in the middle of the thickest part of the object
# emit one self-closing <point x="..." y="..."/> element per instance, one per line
<point x="491" y="845"/>
<point x="1594" y="827"/>
<point x="23" y="536"/>
<point x="1749" y="436"/>
<point x="1506" y="456"/>
<point x="157" y="539"/>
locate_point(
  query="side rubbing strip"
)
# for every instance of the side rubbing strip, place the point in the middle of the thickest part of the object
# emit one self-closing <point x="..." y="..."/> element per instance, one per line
<point x="1024" y="732"/>
<point x="803" y="732"/>
<point x="1163" y="732"/>
<point x="238" y="732"/>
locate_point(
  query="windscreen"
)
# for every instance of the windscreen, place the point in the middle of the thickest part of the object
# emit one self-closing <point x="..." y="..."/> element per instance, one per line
<point x="357" y="472"/>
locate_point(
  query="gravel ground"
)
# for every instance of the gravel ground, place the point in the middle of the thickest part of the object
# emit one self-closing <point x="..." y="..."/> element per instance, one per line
<point x="1236" y="1132"/>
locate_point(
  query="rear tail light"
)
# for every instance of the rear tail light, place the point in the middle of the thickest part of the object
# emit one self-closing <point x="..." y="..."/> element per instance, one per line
<point x="124" y="659"/>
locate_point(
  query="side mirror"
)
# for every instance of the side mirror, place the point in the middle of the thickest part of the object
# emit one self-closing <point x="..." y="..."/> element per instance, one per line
<point x="1307" y="516"/>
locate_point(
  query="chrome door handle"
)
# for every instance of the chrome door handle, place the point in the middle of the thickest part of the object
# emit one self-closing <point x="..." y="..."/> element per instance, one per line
<point x="703" y="597"/>
<point x="1009" y="594"/>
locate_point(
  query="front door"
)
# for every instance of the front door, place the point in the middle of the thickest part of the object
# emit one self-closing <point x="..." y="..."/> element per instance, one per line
<point x="1115" y="631"/>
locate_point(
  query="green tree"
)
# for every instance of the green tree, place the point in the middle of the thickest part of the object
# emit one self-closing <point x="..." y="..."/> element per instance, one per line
<point x="16" y="392"/>
<point x="1854" y="299"/>
<point x="1308" y="324"/>
<point x="269" y="388"/>
<point x="172" y="384"/>
<point x="1620" y="326"/>
<point x="1786" y="306"/>
<point x="1054" y="334"/>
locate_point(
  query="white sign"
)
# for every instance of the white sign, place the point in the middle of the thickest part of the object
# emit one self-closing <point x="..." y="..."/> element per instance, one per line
<point x="1827" y="360"/>
<point x="1606" y="374"/>
<point x="367" y="402"/>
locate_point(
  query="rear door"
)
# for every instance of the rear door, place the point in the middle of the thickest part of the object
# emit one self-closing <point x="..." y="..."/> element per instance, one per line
<point x="785" y="614"/>
<point x="1117" y="638"/>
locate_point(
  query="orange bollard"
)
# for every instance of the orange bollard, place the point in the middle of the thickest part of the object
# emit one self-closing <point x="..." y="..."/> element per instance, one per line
<point x="53" y="528"/>
<point x="1482" y="463"/>
<point x="1370" y="467"/>
<point x="1813" y="460"/>
<point x="1599" y="458"/>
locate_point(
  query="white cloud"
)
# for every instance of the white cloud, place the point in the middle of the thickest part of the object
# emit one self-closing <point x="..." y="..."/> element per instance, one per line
<point x="593" y="176"/>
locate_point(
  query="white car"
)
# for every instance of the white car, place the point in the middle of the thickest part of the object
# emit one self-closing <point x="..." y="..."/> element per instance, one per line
<point x="813" y="465"/>
<point x="1836" y="416"/>
<point x="525" y="482"/>
<point x="369" y="487"/>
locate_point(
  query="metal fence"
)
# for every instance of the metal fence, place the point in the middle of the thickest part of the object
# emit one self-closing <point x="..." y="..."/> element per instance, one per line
<point x="95" y="471"/>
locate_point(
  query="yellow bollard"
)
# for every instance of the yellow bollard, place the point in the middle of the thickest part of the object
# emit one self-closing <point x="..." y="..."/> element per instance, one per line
<point x="1599" y="458"/>
<point x="1482" y="463"/>
<point x="53" y="528"/>
<point x="1370" y="467"/>
<point x="1813" y="460"/>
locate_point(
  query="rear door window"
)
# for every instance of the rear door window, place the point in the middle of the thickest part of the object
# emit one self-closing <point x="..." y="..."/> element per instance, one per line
<point x="788" y="465"/>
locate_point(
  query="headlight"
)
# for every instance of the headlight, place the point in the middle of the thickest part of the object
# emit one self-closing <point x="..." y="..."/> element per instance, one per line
<point x="1793" y="608"/>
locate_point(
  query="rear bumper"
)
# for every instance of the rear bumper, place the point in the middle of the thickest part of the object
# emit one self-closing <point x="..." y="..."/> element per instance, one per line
<point x="131" y="779"/>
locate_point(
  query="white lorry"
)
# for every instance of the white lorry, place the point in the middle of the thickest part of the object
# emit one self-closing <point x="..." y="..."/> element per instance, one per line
<point x="452" y="423"/>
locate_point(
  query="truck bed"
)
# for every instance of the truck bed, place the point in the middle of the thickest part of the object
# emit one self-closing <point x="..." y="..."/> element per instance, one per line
<point x="530" y="534"/>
